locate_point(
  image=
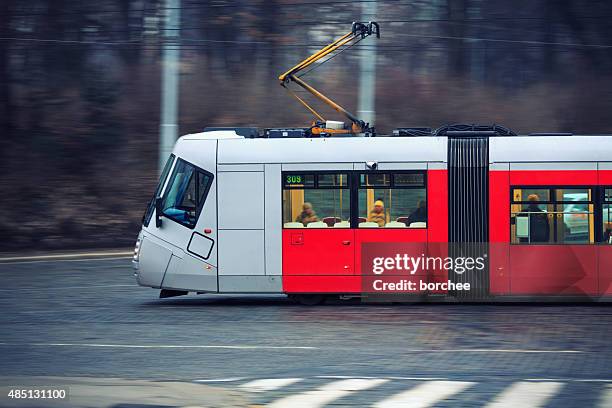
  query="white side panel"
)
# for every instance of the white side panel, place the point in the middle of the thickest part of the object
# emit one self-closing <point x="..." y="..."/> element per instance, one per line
<point x="402" y="166"/>
<point x="317" y="166"/>
<point x="550" y="149"/>
<point x="553" y="166"/>
<point x="499" y="166"/>
<point x="190" y="274"/>
<point x="241" y="200"/>
<point x="240" y="167"/>
<point x="241" y="252"/>
<point x="273" y="221"/>
<point x="250" y="284"/>
<point x="330" y="149"/>
<point x="437" y="166"/>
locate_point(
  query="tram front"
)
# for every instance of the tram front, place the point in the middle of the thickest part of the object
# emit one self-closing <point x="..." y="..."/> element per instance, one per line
<point x="176" y="250"/>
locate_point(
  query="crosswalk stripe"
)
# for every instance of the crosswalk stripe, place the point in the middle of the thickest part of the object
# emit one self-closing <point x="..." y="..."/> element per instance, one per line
<point x="268" y="384"/>
<point x="606" y="398"/>
<point x="424" y="395"/>
<point x="526" y="394"/>
<point x="326" y="393"/>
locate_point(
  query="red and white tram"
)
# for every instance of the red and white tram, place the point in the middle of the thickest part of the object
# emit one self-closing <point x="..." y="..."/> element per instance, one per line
<point x="236" y="213"/>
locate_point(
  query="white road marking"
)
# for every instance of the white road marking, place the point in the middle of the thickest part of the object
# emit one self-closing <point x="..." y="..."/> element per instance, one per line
<point x="342" y="377"/>
<point x="212" y="380"/>
<point x="570" y="379"/>
<point x="67" y="256"/>
<point x="424" y="395"/>
<point x="490" y="351"/>
<point x="268" y="384"/>
<point x="3" y="261"/>
<point x="526" y="395"/>
<point x="326" y="393"/>
<point x="250" y="347"/>
<point x="388" y="378"/>
<point x="606" y="398"/>
<point x="162" y="346"/>
<point x="71" y="287"/>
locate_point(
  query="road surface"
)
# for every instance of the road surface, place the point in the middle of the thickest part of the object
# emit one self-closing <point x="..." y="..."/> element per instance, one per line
<point x="85" y="324"/>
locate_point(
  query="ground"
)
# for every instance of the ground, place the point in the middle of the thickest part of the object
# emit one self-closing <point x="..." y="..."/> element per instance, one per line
<point x="85" y="324"/>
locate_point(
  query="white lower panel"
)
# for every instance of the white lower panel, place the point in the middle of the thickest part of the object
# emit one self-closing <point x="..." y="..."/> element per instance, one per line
<point x="241" y="252"/>
<point x="190" y="274"/>
<point x="250" y="284"/>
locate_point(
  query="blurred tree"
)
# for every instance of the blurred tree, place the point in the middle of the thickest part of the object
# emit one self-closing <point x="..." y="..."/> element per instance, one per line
<point x="6" y="100"/>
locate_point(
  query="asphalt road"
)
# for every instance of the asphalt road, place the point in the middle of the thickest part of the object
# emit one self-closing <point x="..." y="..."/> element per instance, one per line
<point x="86" y="320"/>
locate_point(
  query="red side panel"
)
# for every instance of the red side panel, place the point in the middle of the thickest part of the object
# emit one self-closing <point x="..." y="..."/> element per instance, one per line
<point x="437" y="210"/>
<point x="321" y="284"/>
<point x="314" y="251"/>
<point x="389" y="236"/>
<point x="437" y="205"/>
<point x="321" y="261"/>
<point x="553" y="177"/>
<point x="553" y="269"/>
<point x="605" y="269"/>
<point x="537" y="269"/>
<point x="605" y="177"/>
<point x="499" y="232"/>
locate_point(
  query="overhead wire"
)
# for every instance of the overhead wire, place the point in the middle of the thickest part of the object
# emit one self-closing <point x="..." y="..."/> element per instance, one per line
<point x="202" y="40"/>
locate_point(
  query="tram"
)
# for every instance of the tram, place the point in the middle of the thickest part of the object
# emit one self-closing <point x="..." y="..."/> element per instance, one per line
<point x="243" y="211"/>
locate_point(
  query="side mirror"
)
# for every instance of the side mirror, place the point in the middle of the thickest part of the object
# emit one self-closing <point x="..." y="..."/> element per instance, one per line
<point x="158" y="211"/>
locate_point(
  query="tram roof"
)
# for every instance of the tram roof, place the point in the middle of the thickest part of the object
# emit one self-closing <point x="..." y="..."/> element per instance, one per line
<point x="235" y="149"/>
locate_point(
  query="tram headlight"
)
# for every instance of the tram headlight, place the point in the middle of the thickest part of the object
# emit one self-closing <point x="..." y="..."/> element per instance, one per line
<point x="137" y="249"/>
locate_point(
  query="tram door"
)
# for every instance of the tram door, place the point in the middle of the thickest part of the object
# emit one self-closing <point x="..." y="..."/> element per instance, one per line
<point x="391" y="215"/>
<point x="317" y="235"/>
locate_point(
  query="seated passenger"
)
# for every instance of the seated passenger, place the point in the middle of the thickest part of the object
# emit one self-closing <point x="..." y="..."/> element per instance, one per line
<point x="418" y="215"/>
<point x="377" y="214"/>
<point x="307" y="215"/>
<point x="539" y="228"/>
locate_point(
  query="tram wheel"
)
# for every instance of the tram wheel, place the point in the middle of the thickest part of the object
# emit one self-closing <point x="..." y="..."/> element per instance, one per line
<point x="309" y="300"/>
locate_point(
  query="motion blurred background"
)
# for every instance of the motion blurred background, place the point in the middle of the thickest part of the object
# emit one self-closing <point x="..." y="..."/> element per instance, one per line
<point x="80" y="88"/>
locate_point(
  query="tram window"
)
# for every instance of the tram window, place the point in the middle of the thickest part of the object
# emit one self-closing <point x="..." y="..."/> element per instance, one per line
<point x="392" y="200"/>
<point x="375" y="180"/>
<point x="162" y="179"/>
<point x="186" y="193"/>
<point x="522" y="194"/>
<point x="607" y="216"/>
<point x="332" y="180"/>
<point x="409" y="179"/>
<point x="316" y="200"/>
<point x="553" y="215"/>
<point x="573" y="194"/>
<point x="299" y="180"/>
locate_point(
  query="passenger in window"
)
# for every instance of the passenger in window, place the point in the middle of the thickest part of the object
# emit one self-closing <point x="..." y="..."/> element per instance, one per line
<point x="420" y="214"/>
<point x="377" y="214"/>
<point x="539" y="228"/>
<point x="307" y="215"/>
<point x="608" y="233"/>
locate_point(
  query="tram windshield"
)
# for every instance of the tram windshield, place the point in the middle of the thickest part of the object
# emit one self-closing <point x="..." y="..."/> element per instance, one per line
<point x="162" y="180"/>
<point x="185" y="194"/>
